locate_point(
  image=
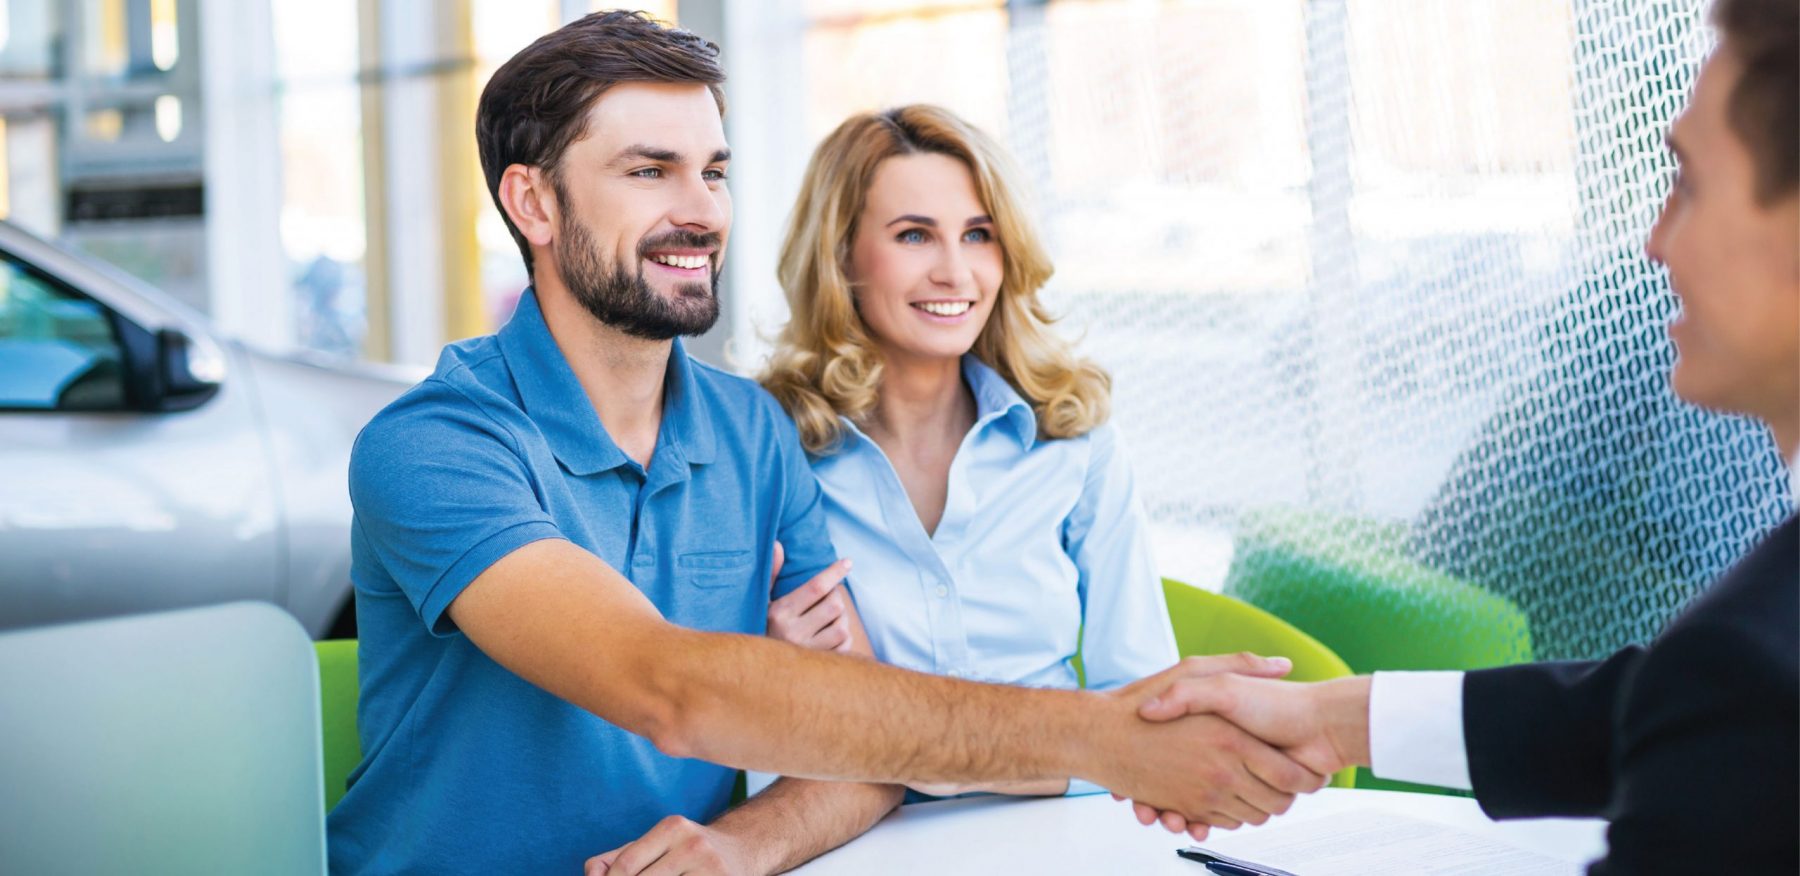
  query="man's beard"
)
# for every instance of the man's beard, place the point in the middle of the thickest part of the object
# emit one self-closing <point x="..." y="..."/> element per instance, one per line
<point x="626" y="301"/>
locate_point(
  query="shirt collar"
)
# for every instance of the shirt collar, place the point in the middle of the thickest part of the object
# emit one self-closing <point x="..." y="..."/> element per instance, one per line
<point x="556" y="404"/>
<point x="995" y="399"/>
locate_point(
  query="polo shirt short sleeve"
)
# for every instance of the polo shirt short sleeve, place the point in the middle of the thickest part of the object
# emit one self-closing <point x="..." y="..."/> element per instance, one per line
<point x="441" y="494"/>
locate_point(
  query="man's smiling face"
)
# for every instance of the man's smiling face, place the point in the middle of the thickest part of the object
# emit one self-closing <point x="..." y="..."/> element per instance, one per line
<point x="644" y="212"/>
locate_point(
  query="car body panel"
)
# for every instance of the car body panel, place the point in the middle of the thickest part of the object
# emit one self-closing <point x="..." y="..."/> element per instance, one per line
<point x="105" y="514"/>
<point x="243" y="497"/>
<point x="311" y="417"/>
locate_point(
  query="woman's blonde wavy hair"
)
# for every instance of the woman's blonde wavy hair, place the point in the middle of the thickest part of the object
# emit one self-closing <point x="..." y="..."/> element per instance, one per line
<point x="825" y="364"/>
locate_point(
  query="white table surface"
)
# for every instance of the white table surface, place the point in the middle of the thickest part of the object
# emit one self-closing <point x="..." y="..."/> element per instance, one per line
<point x="1094" y="834"/>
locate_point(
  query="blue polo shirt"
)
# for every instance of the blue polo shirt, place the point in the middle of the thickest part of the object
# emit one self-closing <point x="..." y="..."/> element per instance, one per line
<point x="467" y="767"/>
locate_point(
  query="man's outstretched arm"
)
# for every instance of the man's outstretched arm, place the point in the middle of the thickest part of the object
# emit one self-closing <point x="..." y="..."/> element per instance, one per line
<point x="560" y="618"/>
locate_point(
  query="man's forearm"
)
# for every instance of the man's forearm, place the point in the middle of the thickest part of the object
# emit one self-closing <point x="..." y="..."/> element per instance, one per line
<point x="764" y="705"/>
<point x="796" y="820"/>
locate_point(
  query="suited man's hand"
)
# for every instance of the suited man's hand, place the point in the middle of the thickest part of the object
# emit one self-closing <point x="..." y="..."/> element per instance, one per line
<point x="1322" y="726"/>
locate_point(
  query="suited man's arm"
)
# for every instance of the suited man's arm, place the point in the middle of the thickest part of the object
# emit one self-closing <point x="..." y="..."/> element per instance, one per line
<point x="1539" y="736"/>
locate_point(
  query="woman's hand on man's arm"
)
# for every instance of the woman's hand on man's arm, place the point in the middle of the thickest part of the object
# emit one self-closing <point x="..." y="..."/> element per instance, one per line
<point x="818" y="614"/>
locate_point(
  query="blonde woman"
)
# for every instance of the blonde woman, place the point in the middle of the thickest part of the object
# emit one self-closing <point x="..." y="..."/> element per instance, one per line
<point x="966" y="464"/>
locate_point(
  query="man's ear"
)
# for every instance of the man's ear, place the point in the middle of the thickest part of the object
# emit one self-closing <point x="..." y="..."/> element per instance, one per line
<point x="530" y="202"/>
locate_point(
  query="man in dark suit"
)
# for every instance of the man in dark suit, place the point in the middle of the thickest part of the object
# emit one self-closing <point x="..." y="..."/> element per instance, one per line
<point x="1690" y="747"/>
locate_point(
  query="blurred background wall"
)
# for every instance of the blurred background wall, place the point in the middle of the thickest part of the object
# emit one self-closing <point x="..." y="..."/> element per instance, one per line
<point x="1356" y="265"/>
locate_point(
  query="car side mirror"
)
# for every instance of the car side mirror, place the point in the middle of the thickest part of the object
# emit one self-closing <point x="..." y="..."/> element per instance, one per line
<point x="189" y="371"/>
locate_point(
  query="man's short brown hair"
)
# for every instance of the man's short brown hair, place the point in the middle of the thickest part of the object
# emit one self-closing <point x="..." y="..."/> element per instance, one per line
<point x="536" y="104"/>
<point x="1765" y="105"/>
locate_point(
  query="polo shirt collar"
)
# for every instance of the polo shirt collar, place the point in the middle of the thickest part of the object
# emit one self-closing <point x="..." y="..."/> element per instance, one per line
<point x="687" y="421"/>
<point x="556" y="404"/>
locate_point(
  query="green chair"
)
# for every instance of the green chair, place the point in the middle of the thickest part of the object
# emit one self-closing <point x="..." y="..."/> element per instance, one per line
<point x="337" y="714"/>
<point x="1352" y="584"/>
<point x="1208" y="623"/>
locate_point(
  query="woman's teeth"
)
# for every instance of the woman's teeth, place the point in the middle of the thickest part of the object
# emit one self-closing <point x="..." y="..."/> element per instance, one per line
<point x="674" y="261"/>
<point x="944" y="308"/>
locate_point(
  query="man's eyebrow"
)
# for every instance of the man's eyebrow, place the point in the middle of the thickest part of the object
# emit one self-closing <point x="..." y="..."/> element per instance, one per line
<point x="641" y="152"/>
<point x="926" y="221"/>
<point x="648" y="153"/>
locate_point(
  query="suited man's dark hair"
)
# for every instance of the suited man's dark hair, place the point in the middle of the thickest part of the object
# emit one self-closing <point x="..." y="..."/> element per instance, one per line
<point x="1765" y="105"/>
<point x="535" y="106"/>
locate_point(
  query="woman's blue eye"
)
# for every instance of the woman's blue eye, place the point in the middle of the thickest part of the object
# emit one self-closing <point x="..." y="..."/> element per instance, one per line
<point x="911" y="235"/>
<point x="978" y="235"/>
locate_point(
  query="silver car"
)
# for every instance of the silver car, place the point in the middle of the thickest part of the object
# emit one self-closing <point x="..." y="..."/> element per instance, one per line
<point x="146" y="462"/>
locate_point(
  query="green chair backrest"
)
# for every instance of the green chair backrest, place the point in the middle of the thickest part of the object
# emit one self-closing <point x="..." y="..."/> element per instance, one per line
<point x="1209" y="623"/>
<point x="337" y="713"/>
<point x="1351" y="584"/>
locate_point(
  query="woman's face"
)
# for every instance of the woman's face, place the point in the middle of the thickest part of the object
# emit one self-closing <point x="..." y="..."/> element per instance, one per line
<point x="925" y="265"/>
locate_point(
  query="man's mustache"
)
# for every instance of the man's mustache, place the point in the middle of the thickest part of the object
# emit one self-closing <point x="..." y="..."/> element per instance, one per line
<point x="679" y="239"/>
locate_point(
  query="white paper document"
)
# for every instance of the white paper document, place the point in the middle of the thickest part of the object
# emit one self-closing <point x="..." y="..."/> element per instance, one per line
<point x="1378" y="842"/>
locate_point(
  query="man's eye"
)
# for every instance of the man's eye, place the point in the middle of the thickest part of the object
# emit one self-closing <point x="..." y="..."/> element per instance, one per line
<point x="715" y="175"/>
<point x="648" y="173"/>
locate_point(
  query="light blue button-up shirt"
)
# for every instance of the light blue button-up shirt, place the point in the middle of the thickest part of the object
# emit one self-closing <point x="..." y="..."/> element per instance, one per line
<point x="1038" y="539"/>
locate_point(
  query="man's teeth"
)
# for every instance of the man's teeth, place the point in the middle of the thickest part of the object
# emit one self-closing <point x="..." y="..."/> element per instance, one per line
<point x="675" y="261"/>
<point x="944" y="308"/>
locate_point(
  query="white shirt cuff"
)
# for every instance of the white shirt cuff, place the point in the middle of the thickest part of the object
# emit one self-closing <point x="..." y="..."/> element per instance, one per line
<point x="1416" y="728"/>
<point x="755" y="783"/>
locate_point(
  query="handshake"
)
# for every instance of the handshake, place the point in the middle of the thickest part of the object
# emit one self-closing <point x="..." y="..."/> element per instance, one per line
<point x="1221" y="741"/>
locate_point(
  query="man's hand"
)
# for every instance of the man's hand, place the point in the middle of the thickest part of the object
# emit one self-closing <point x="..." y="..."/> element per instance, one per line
<point x="1323" y="726"/>
<point x="675" y="845"/>
<point x="1202" y="767"/>
<point x="817" y="615"/>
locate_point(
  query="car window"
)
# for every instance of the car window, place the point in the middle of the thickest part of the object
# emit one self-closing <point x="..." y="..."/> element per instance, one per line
<point x="58" y="349"/>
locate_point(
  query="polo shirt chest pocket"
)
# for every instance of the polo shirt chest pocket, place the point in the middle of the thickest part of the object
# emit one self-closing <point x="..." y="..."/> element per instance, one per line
<point x="716" y="568"/>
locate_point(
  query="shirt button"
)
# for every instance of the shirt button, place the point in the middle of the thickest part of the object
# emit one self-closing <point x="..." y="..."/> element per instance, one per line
<point x="942" y="591"/>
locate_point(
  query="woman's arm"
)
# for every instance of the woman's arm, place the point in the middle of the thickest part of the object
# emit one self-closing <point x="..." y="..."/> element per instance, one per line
<point x="1126" y="631"/>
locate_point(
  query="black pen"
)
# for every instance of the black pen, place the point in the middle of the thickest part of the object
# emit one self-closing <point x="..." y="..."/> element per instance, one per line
<point x="1228" y="866"/>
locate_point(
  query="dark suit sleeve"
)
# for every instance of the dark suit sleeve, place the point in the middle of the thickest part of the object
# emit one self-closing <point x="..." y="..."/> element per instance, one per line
<point x="1539" y="736"/>
<point x="1706" y="752"/>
